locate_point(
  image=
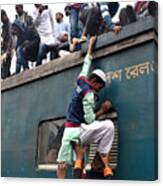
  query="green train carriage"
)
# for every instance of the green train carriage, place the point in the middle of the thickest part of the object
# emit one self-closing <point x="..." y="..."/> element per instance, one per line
<point x="42" y="94"/>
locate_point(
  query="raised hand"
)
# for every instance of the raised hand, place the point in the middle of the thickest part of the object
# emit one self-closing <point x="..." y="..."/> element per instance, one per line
<point x="106" y="106"/>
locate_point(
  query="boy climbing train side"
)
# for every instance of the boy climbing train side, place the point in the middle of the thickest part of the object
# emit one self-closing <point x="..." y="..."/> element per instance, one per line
<point x="82" y="127"/>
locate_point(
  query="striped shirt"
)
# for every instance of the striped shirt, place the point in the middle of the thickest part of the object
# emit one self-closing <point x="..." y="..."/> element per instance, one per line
<point x="104" y="10"/>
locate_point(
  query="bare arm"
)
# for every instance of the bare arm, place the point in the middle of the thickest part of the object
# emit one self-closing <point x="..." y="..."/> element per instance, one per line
<point x="104" y="108"/>
<point x="89" y="105"/>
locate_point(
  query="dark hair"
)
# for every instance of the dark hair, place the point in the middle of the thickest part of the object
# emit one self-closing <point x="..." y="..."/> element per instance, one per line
<point x="19" y="5"/>
<point x="3" y="13"/>
<point x="67" y="10"/>
<point x="59" y="13"/>
<point x="98" y="79"/>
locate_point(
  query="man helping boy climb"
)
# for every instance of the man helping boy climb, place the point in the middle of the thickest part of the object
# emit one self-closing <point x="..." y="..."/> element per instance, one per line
<point x="82" y="127"/>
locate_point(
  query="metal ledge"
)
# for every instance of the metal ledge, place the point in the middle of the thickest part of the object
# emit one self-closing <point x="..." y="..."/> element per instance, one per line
<point x="141" y="26"/>
<point x="106" y="46"/>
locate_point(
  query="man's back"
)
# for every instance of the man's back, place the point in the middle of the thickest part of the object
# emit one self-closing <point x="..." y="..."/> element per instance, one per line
<point x="75" y="111"/>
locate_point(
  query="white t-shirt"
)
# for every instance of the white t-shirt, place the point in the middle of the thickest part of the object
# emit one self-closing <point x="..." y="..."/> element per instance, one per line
<point x="44" y="24"/>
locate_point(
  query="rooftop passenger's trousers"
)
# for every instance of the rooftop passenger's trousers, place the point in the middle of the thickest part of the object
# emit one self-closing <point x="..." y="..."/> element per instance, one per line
<point x="101" y="132"/>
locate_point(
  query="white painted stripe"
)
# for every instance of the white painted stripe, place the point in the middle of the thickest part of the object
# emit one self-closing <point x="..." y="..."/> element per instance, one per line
<point x="48" y="167"/>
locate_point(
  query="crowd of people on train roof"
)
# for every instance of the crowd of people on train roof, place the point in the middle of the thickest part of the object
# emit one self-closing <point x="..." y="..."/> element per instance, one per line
<point x="35" y="37"/>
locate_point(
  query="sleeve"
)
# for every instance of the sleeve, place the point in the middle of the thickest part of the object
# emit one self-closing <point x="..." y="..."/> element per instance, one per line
<point x="10" y="39"/>
<point x="30" y="20"/>
<point x="36" y="18"/>
<point x="86" y="66"/>
<point x="88" y="107"/>
<point x="106" y="15"/>
<point x="51" y="19"/>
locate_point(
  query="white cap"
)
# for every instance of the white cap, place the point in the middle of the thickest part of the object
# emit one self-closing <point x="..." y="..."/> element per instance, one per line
<point x="100" y="74"/>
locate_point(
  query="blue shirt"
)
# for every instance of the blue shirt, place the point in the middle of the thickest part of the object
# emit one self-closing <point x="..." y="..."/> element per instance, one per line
<point x="60" y="28"/>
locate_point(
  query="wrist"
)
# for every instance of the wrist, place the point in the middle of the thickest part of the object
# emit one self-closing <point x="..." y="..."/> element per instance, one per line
<point x="88" y="57"/>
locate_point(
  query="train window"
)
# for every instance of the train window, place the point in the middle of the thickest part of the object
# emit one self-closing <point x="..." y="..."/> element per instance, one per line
<point x="49" y="140"/>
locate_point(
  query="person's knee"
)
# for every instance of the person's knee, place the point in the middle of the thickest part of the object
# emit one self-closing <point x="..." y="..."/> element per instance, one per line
<point x="18" y="51"/>
<point x="109" y="125"/>
<point x="43" y="47"/>
<point x="19" y="54"/>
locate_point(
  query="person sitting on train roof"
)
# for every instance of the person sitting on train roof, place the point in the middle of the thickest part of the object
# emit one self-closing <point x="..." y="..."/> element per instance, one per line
<point x="61" y="36"/>
<point x="82" y="126"/>
<point x="6" y="45"/>
<point x="93" y="17"/>
<point x="73" y="11"/>
<point x="23" y="16"/>
<point x="27" y="46"/>
<point x="44" y="23"/>
<point x="130" y="14"/>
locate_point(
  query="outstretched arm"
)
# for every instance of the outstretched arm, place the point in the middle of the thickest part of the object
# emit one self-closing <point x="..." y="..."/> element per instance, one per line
<point x="86" y="66"/>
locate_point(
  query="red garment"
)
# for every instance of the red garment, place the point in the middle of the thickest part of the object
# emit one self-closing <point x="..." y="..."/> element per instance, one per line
<point x="76" y="5"/>
<point x="71" y="124"/>
<point x="139" y="5"/>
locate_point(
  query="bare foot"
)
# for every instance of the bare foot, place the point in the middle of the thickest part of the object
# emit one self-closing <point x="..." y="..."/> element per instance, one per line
<point x="117" y="29"/>
<point x="75" y="42"/>
<point x="82" y="39"/>
<point x="61" y="171"/>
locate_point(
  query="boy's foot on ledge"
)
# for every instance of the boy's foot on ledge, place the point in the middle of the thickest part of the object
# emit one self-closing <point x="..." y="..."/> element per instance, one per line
<point x="82" y="39"/>
<point x="117" y="29"/>
<point x="61" y="170"/>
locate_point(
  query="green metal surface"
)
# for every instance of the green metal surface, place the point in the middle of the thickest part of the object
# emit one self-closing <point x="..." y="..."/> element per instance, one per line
<point x="131" y="85"/>
<point x="134" y="96"/>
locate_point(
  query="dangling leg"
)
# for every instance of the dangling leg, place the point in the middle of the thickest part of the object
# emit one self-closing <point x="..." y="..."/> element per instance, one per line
<point x="61" y="170"/>
<point x="78" y="167"/>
